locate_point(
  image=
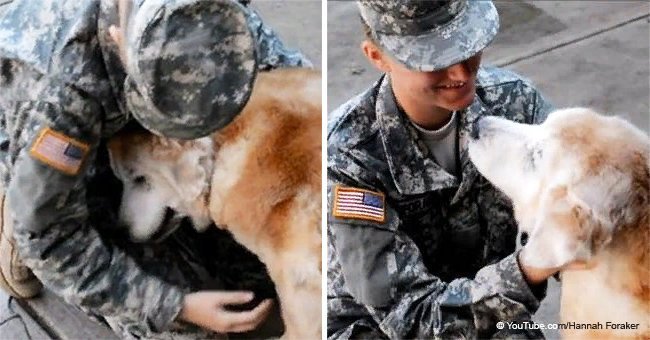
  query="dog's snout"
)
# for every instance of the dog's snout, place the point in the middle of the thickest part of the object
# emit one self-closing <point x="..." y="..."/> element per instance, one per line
<point x="475" y="133"/>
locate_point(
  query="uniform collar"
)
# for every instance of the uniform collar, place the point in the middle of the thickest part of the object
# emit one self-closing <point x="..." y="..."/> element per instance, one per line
<point x="412" y="170"/>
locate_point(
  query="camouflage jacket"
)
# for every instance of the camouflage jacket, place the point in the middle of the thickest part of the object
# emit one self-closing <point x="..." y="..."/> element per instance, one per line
<point x="60" y="71"/>
<point x="442" y="262"/>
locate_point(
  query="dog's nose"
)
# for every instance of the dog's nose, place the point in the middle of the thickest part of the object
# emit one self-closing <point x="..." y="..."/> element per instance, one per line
<point x="474" y="134"/>
<point x="523" y="238"/>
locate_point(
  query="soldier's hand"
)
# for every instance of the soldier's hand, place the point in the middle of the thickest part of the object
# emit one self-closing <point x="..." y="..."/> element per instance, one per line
<point x="208" y="310"/>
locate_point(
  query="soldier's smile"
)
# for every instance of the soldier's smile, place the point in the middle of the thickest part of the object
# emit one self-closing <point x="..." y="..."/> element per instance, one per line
<point x="456" y="91"/>
<point x="454" y="85"/>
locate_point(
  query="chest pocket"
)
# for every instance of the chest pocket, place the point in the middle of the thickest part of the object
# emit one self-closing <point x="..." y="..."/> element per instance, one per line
<point x="448" y="236"/>
<point x="463" y="231"/>
<point x="424" y="221"/>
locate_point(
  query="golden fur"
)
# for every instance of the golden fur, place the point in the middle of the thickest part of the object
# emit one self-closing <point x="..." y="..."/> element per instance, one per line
<point x="263" y="184"/>
<point x="616" y="286"/>
<point x="584" y="198"/>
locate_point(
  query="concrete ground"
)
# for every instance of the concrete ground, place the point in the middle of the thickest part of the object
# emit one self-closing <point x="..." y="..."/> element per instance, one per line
<point x="578" y="53"/>
<point x="297" y="22"/>
<point x="15" y="323"/>
<point x="48" y="317"/>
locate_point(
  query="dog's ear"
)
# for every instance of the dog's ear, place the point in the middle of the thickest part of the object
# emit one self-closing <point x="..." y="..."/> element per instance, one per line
<point x="567" y="230"/>
<point x="113" y="148"/>
<point x="191" y="178"/>
<point x="193" y="169"/>
<point x="594" y="228"/>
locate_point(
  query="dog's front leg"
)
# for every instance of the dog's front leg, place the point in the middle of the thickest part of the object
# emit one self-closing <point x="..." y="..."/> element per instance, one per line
<point x="298" y="282"/>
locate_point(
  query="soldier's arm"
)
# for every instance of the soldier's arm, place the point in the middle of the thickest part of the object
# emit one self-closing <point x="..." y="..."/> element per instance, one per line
<point x="51" y="220"/>
<point x="383" y="270"/>
<point x="536" y="106"/>
<point x="541" y="107"/>
<point x="271" y="51"/>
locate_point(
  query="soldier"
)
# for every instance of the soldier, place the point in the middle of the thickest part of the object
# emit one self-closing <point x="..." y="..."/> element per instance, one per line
<point x="72" y="74"/>
<point x="421" y="245"/>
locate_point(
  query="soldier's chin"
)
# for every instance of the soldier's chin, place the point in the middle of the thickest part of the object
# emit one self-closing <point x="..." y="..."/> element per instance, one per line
<point x="461" y="102"/>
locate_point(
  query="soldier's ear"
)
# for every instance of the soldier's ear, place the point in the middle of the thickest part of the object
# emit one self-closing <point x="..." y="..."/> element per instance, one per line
<point x="118" y="32"/>
<point x="117" y="35"/>
<point x="375" y="55"/>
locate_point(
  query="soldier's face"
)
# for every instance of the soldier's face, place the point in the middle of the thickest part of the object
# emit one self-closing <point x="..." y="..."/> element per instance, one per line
<point x="452" y="88"/>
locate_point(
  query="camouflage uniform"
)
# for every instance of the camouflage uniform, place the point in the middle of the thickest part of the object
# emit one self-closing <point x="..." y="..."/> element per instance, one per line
<point x="441" y="264"/>
<point x="59" y="70"/>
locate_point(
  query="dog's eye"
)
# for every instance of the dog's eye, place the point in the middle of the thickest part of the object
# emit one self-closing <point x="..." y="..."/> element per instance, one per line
<point x="139" y="180"/>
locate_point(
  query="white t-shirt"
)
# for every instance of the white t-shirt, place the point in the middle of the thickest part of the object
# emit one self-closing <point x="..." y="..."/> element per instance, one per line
<point x="442" y="144"/>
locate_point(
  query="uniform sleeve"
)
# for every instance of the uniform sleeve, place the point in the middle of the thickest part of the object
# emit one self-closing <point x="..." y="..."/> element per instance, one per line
<point x="383" y="270"/>
<point x="53" y="234"/>
<point x="541" y="107"/>
<point x="271" y="52"/>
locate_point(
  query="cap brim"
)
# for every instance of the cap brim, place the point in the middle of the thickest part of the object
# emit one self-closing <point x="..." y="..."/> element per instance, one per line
<point x="469" y="33"/>
<point x="192" y="66"/>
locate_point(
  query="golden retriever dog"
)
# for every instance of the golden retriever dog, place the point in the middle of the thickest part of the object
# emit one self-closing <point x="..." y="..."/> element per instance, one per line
<point x="259" y="178"/>
<point x="579" y="185"/>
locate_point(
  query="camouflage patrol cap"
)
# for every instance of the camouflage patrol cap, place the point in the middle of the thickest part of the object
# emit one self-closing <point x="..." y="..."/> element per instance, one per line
<point x="430" y="35"/>
<point x="191" y="65"/>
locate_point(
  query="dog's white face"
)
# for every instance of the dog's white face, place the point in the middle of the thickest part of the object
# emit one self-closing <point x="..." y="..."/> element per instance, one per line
<point x="571" y="180"/>
<point x="160" y="175"/>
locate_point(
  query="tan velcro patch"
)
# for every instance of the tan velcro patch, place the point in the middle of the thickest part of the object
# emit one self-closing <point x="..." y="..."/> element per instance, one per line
<point x="359" y="204"/>
<point x="59" y="151"/>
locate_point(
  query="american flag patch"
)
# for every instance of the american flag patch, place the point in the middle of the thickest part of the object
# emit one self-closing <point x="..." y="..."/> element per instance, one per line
<point x="59" y="151"/>
<point x="359" y="204"/>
